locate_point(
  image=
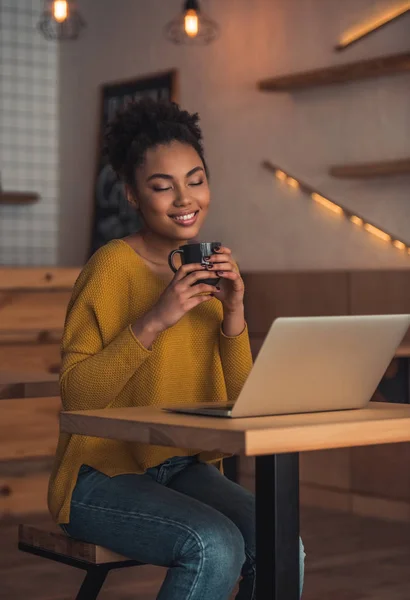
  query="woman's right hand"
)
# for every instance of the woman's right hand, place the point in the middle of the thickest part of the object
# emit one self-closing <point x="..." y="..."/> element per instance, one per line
<point x="182" y="295"/>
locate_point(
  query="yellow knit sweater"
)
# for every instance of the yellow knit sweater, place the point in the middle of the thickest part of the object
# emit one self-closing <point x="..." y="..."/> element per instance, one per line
<point x="105" y="366"/>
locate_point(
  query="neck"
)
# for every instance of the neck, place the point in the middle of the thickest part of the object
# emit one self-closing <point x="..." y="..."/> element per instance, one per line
<point x="158" y="248"/>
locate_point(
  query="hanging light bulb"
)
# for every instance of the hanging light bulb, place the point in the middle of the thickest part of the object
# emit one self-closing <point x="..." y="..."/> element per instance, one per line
<point x="192" y="26"/>
<point x="191" y="23"/>
<point x="60" y="10"/>
<point x="60" y="20"/>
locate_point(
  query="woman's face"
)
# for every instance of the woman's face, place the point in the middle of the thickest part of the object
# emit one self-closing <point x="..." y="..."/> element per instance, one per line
<point x="172" y="191"/>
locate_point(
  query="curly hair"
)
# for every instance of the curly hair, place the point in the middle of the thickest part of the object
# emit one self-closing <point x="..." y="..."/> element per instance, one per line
<point x="145" y="124"/>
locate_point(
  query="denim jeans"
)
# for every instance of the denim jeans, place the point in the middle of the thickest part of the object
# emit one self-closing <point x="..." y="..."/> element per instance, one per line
<point x="182" y="514"/>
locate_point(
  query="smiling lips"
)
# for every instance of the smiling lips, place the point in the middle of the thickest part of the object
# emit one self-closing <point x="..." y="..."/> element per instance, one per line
<point x="187" y="219"/>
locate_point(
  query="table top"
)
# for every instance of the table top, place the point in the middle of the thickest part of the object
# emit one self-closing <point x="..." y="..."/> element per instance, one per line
<point x="378" y="423"/>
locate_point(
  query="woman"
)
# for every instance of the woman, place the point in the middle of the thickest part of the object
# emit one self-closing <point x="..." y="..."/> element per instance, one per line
<point x="135" y="334"/>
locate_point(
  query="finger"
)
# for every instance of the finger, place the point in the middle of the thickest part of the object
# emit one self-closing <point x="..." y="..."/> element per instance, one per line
<point x="192" y="278"/>
<point x="222" y="266"/>
<point x="232" y="275"/>
<point x="189" y="268"/>
<point x="218" y="258"/>
<point x="223" y="250"/>
<point x="201" y="288"/>
<point x="192" y="302"/>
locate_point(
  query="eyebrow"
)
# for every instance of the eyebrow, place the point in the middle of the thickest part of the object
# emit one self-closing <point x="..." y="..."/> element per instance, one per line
<point x="165" y="176"/>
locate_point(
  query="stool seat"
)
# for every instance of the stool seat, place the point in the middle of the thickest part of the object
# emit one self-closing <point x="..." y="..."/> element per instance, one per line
<point x="50" y="538"/>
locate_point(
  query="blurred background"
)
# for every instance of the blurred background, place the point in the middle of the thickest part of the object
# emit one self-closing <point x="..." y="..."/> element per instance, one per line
<point x="305" y="111"/>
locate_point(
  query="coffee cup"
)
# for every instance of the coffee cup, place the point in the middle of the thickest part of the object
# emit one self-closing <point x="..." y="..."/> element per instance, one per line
<point x="195" y="253"/>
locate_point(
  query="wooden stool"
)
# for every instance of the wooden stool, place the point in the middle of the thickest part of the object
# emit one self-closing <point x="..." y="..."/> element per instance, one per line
<point x="50" y="542"/>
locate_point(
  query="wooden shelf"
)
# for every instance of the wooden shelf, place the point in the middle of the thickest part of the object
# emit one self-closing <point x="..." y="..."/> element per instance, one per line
<point x="385" y="168"/>
<point x="363" y="69"/>
<point x="18" y="198"/>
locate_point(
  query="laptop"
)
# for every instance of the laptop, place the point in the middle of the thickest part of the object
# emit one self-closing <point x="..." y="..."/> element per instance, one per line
<point x="311" y="364"/>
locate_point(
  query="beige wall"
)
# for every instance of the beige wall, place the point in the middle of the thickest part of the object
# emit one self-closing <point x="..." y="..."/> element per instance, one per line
<point x="269" y="227"/>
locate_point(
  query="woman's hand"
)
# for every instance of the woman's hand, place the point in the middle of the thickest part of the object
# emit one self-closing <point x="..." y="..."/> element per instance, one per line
<point x="231" y="285"/>
<point x="181" y="296"/>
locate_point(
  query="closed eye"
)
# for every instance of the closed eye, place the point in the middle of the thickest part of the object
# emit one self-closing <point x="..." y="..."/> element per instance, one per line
<point x="197" y="183"/>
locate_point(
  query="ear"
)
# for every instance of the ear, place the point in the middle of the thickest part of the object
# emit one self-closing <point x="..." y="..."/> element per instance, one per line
<point x="131" y="197"/>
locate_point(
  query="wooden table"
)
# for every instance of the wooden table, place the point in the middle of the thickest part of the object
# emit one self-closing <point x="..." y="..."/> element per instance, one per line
<point x="276" y="443"/>
<point x="28" y="384"/>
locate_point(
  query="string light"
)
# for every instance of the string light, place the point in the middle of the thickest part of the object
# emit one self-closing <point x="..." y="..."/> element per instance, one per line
<point x="336" y="208"/>
<point x="361" y="31"/>
<point x="327" y="203"/>
<point x="293" y="183"/>
<point x="281" y="175"/>
<point x="400" y="245"/>
<point x="377" y="232"/>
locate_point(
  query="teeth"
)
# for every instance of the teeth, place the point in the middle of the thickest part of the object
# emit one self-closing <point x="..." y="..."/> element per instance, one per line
<point x="185" y="217"/>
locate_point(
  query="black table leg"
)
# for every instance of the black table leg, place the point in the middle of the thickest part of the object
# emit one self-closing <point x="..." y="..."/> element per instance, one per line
<point x="277" y="527"/>
<point x="231" y="468"/>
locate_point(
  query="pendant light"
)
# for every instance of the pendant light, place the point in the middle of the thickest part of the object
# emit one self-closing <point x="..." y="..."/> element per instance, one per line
<point x="60" y="20"/>
<point x="192" y="26"/>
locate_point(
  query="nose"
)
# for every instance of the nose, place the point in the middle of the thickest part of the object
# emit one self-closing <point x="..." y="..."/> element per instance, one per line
<point x="182" y="196"/>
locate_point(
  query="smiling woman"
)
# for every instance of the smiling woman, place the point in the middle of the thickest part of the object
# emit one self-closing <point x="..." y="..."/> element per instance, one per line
<point x="137" y="334"/>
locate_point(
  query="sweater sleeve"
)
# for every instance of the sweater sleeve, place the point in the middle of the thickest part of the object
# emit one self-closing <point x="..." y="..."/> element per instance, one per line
<point x="236" y="361"/>
<point x="99" y="350"/>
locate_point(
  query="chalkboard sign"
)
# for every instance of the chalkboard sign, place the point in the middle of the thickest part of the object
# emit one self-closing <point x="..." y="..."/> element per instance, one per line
<point x="113" y="217"/>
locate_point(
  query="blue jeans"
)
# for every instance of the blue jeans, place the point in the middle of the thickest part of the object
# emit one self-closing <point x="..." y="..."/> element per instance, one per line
<point x="183" y="514"/>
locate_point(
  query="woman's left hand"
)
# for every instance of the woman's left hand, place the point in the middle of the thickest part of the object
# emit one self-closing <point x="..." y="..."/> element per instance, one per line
<point x="231" y="285"/>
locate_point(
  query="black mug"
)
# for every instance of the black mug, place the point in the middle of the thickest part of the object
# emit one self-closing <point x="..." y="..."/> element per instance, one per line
<point x="195" y="253"/>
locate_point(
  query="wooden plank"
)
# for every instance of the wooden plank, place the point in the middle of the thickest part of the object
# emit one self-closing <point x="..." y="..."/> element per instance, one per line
<point x="313" y="294"/>
<point x="329" y="468"/>
<point x="382" y="471"/>
<point x="43" y="359"/>
<point x="18" y="197"/>
<point x="379" y="292"/>
<point x="386" y="168"/>
<point x="23" y="495"/>
<point x="29" y="390"/>
<point x="353" y="71"/>
<point x="378" y="423"/>
<point x="28" y="427"/>
<point x="259" y="301"/>
<point x="22" y="311"/>
<point x="53" y="539"/>
<point x="37" y="278"/>
<point x="293" y="294"/>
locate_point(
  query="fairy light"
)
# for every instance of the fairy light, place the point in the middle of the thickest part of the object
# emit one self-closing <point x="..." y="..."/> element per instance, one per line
<point x="400" y="245"/>
<point x="361" y="31"/>
<point x="377" y="232"/>
<point x="281" y="175"/>
<point x="293" y="183"/>
<point x="335" y="208"/>
<point x="356" y="220"/>
<point x="327" y="203"/>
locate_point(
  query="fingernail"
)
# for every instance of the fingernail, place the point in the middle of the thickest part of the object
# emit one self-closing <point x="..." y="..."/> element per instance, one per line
<point x="219" y="272"/>
<point x="207" y="257"/>
<point x="209" y="266"/>
<point x="217" y="248"/>
<point x="218" y="288"/>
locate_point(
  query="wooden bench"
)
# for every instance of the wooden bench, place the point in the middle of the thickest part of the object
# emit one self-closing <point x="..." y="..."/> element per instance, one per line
<point x="51" y="543"/>
<point x="33" y="304"/>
